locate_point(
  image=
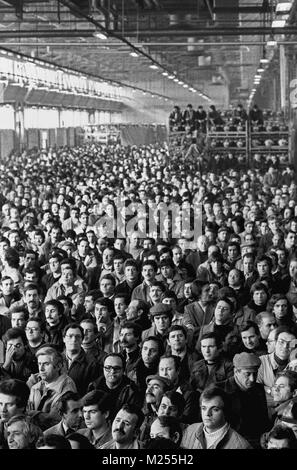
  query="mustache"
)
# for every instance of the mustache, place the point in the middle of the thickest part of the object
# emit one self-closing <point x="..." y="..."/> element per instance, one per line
<point x="120" y="431"/>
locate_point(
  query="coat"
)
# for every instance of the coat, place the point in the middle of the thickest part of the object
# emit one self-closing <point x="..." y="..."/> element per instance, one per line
<point x="83" y="370"/>
<point x="200" y="377"/>
<point x="193" y="438"/>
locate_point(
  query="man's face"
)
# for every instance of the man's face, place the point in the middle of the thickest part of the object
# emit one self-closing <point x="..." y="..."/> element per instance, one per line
<point x="167" y="272"/>
<point x="33" y="331"/>
<point x="246" y="377"/>
<point x="267" y="325"/>
<point x="249" y="338"/>
<point x="293" y="269"/>
<point x="32" y="299"/>
<point x="120" y="307"/>
<point x="48" y="369"/>
<point x="280" y="309"/>
<point x="209" y="349"/>
<point x="205" y="297"/>
<point x="52" y="315"/>
<point x="162" y="323"/>
<point x="281" y="390"/>
<point x="73" y="340"/>
<point x="177" y="341"/>
<point x="17" y="346"/>
<point x="177" y="255"/>
<point x="127" y="338"/>
<point x="89" y="304"/>
<point x="67" y="277"/>
<point x="259" y="297"/>
<point x="107" y="287"/>
<point x="166" y="408"/>
<point x="271" y="341"/>
<point x="73" y="415"/>
<point x="8" y="407"/>
<point x="93" y="417"/>
<point x="131" y="273"/>
<point x="234" y="278"/>
<point x="7" y="286"/>
<point x="222" y="313"/>
<point x="107" y="257"/>
<point x="263" y="268"/>
<point x="83" y="248"/>
<point x="148" y="273"/>
<point x="154" y="391"/>
<point x="248" y="265"/>
<point x="167" y="369"/>
<point x="284" y="344"/>
<point x="16" y="436"/>
<point x="113" y="371"/>
<point x="124" y="427"/>
<point x="150" y="353"/>
<point x="18" y="320"/>
<point x="102" y="314"/>
<point x="132" y="310"/>
<point x="89" y="332"/>
<point x="118" y="266"/>
<point x="212" y="413"/>
<point x="155" y="294"/>
<point x="187" y="290"/>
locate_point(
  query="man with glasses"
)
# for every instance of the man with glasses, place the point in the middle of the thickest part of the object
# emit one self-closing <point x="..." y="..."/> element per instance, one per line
<point x="276" y="361"/>
<point x="116" y="384"/>
<point x="81" y="367"/>
<point x="35" y="334"/>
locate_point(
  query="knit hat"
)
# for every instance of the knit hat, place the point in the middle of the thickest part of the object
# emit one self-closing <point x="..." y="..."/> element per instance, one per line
<point x="246" y="360"/>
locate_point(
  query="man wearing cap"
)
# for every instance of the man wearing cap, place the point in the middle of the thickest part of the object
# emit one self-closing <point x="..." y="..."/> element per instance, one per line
<point x="249" y="406"/>
<point x="156" y="387"/>
<point x="161" y="316"/>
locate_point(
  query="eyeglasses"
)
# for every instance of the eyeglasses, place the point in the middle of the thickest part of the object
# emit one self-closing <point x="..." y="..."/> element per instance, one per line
<point x="31" y="329"/>
<point x="285" y="344"/>
<point x="114" y="368"/>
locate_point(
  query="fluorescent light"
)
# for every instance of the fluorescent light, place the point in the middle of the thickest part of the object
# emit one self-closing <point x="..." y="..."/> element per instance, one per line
<point x="133" y="54"/>
<point x="278" y="23"/>
<point x="175" y="80"/>
<point x="260" y="70"/>
<point x="100" y="35"/>
<point x="258" y="76"/>
<point x="254" y="90"/>
<point x="283" y="7"/>
<point x="171" y="77"/>
<point x="271" y="42"/>
<point x="185" y="85"/>
<point x="165" y="74"/>
<point x="154" y="66"/>
<point x="264" y="61"/>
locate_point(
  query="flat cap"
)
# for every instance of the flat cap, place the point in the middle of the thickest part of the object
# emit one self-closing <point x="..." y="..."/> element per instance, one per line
<point x="164" y="380"/>
<point x="246" y="360"/>
<point x="160" y="309"/>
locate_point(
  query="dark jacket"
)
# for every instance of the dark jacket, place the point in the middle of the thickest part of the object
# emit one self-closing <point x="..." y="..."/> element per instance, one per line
<point x="126" y="392"/>
<point x="54" y="335"/>
<point x="249" y="410"/>
<point x="202" y="378"/>
<point x="83" y="370"/>
<point x="23" y="368"/>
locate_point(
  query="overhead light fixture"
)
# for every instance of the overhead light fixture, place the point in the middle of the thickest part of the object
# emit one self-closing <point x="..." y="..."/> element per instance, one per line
<point x="258" y="76"/>
<point x="154" y="67"/>
<point x="171" y="77"/>
<point x="175" y="80"/>
<point x="271" y="43"/>
<point x="100" y="35"/>
<point x="185" y="85"/>
<point x="284" y="7"/>
<point x="134" y="54"/>
<point x="278" y="23"/>
<point x="260" y="70"/>
<point x="165" y="74"/>
<point x="264" y="60"/>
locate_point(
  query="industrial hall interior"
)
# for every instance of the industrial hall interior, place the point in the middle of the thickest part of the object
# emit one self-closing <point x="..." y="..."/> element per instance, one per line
<point x="148" y="226"/>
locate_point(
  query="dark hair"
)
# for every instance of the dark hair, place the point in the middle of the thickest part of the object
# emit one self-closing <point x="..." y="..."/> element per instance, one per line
<point x="108" y="277"/>
<point x="172" y="423"/>
<point x="181" y="328"/>
<point x="176" y="360"/>
<point x="161" y="443"/>
<point x="212" y="336"/>
<point x="213" y="391"/>
<point x="14" y="333"/>
<point x="137" y="330"/>
<point x="120" y="356"/>
<point x="249" y="324"/>
<point x="133" y="409"/>
<point x="105" y="302"/>
<point x="150" y="262"/>
<point x="176" y="399"/>
<point x="285" y="329"/>
<point x="82" y="440"/>
<point x="57" y="441"/>
<point x="16" y="388"/>
<point x="95" y="294"/>
<point x="291" y="375"/>
<point x="170" y="294"/>
<point x="73" y="325"/>
<point x="57" y="304"/>
<point x="99" y="398"/>
<point x="64" y="399"/>
<point x="157" y="340"/>
<point x="280" y="433"/>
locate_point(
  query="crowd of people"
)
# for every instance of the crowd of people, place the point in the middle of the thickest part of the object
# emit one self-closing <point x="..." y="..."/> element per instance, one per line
<point x="146" y="304"/>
